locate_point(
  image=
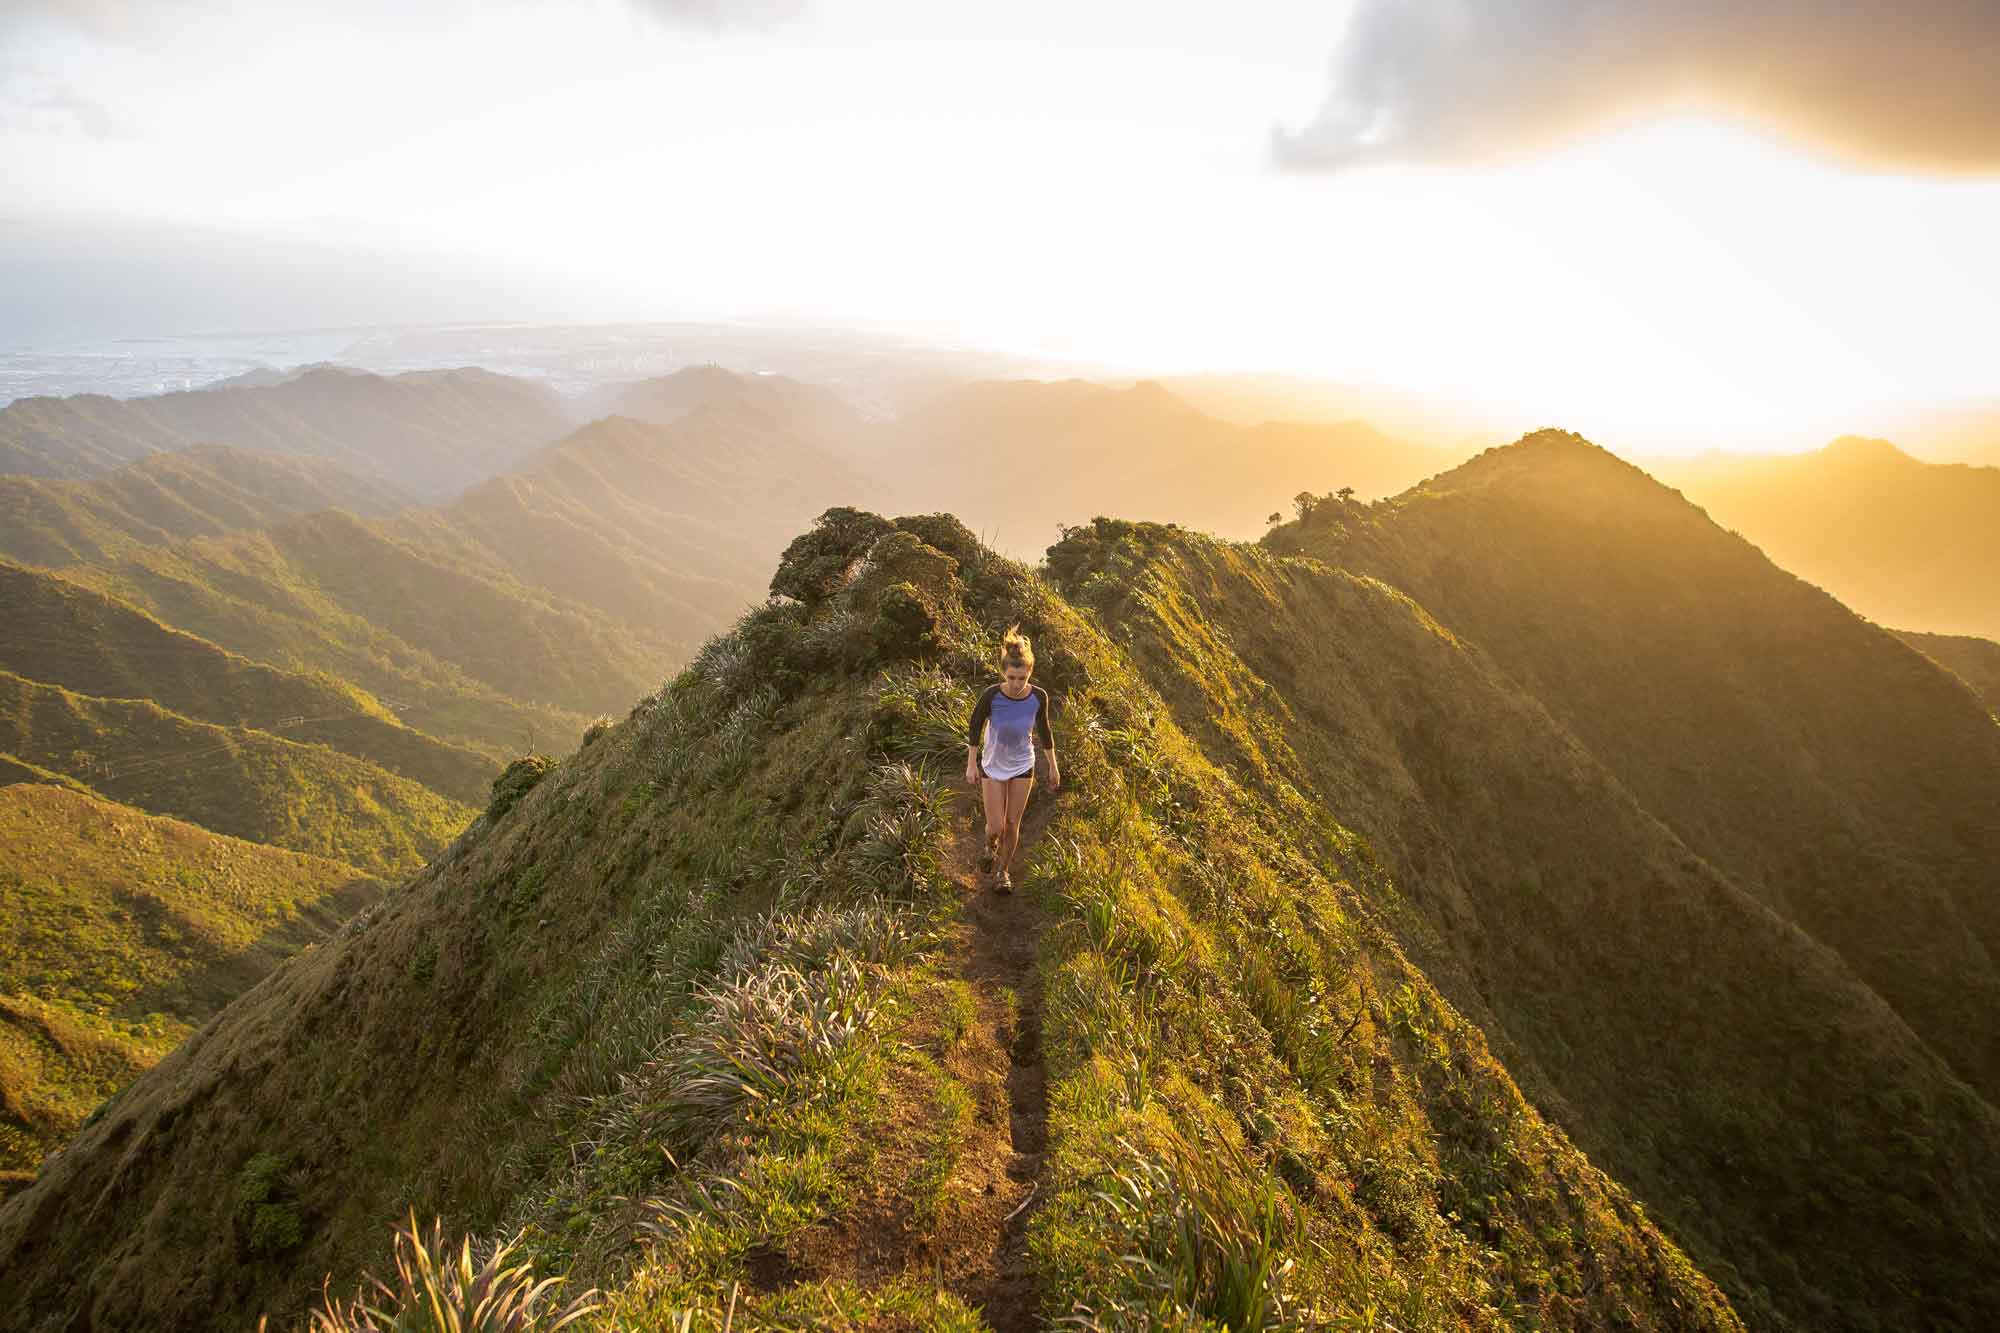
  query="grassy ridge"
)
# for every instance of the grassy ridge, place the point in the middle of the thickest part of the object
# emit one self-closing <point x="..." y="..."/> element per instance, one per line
<point x="1829" y="771"/>
<point x="673" y="524"/>
<point x="656" y="1019"/>
<point x="67" y="635"/>
<point x="1730" y="1073"/>
<point x="1974" y="661"/>
<point x="261" y="595"/>
<point x="203" y="491"/>
<point x="119" y="934"/>
<point x="245" y="783"/>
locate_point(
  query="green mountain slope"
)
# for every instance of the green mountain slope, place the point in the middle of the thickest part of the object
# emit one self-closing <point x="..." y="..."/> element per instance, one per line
<point x="202" y="491"/>
<point x="71" y="636"/>
<point x="708" y="1017"/>
<point x="1974" y="661"/>
<point x="1902" y="541"/>
<point x="1833" y="774"/>
<point x="1732" y="1073"/>
<point x="535" y="599"/>
<point x="428" y="432"/>
<point x="120" y="934"/>
<point x="248" y="784"/>
<point x="658" y="525"/>
<point x="462" y="652"/>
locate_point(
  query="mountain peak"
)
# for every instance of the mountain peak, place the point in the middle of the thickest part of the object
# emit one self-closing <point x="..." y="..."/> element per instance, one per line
<point x="1864" y="449"/>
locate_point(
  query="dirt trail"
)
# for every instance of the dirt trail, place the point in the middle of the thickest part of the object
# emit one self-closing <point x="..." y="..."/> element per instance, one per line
<point x="976" y="1247"/>
<point x="1003" y="1065"/>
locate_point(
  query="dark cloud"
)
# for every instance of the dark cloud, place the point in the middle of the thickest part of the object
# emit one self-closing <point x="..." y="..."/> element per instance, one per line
<point x="1910" y="86"/>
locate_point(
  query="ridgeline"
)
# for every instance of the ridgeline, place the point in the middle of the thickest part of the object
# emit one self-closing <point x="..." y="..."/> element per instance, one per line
<point x="1376" y="966"/>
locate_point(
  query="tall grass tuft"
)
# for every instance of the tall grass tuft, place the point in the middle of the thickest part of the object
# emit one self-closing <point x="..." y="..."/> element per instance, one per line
<point x="1212" y="1239"/>
<point x="437" y="1291"/>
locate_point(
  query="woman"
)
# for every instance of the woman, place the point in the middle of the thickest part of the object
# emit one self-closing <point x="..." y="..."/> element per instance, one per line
<point x="1013" y="715"/>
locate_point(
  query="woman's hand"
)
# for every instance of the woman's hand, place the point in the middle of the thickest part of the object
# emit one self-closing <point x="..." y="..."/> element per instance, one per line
<point x="1055" y="775"/>
<point x="971" y="771"/>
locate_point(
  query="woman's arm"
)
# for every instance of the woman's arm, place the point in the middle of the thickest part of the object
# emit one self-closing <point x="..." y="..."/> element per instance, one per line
<point x="1045" y="733"/>
<point x="974" y="730"/>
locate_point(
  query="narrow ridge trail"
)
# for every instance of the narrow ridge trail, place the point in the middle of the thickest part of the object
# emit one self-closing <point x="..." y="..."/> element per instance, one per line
<point x="976" y="1245"/>
<point x="1000" y="935"/>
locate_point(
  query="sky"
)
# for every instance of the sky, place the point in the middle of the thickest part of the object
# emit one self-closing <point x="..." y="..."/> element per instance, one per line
<point x="1682" y="225"/>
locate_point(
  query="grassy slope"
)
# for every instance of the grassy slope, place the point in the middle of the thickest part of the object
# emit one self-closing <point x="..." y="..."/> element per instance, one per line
<point x="521" y="1036"/>
<point x="656" y="524"/>
<point x="67" y="635"/>
<point x="1902" y="541"/>
<point x="1810" y="1152"/>
<point x="120" y="933"/>
<point x="330" y="593"/>
<point x="1829" y="770"/>
<point x="431" y="433"/>
<point x="245" y="783"/>
<point x="1974" y="661"/>
<point x="202" y="491"/>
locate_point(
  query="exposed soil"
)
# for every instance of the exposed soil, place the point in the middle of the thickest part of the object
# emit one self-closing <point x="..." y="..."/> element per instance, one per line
<point x="977" y="1245"/>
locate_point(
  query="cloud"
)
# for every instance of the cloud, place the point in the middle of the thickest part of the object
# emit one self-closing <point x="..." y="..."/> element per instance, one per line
<point x="1909" y="86"/>
<point x="718" y="14"/>
<point x="31" y="100"/>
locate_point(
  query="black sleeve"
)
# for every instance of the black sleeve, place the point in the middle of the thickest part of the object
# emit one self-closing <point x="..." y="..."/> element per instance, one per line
<point x="980" y="712"/>
<point x="1042" y="732"/>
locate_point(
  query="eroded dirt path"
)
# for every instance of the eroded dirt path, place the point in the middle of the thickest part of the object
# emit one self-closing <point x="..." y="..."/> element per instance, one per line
<point x="1002" y="1062"/>
<point x="975" y="1245"/>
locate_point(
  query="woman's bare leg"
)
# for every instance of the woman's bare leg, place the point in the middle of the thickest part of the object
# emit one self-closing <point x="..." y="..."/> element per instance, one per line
<point x="1017" y="805"/>
<point x="995" y="794"/>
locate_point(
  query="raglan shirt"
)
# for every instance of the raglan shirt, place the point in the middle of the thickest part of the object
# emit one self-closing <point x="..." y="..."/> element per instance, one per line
<point x="1011" y="726"/>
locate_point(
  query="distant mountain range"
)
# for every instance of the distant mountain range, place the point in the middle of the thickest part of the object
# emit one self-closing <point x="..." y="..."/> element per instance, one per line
<point x="430" y="433"/>
<point x="1018" y="459"/>
<point x="203" y="491"/>
<point x="1906" y="543"/>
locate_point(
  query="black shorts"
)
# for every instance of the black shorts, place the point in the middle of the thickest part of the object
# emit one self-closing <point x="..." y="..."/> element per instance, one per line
<point x="1027" y="772"/>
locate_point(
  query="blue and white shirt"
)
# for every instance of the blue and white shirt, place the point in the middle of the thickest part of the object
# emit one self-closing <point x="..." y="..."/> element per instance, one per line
<point x="1012" y="727"/>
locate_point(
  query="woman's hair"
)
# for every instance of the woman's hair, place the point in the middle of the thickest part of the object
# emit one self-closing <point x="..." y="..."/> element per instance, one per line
<point x="1015" y="650"/>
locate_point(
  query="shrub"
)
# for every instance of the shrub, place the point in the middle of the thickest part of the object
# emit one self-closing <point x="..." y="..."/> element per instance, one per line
<point x="270" y="1222"/>
<point x="817" y="563"/>
<point x="517" y="780"/>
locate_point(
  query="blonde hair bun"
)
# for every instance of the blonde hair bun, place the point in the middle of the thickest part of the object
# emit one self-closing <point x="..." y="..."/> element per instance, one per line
<point x="1015" y="649"/>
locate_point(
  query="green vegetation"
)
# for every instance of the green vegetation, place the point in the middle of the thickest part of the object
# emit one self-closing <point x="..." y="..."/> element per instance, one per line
<point x="1720" y="1065"/>
<point x="1388" y="960"/>
<point x="245" y="783"/>
<point x="722" y="1063"/>
<point x="203" y="491"/>
<point x="473" y="654"/>
<point x="120" y="934"/>
<point x="81" y="640"/>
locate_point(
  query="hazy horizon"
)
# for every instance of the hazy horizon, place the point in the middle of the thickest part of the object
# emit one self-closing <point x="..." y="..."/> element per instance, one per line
<point x="1624" y="226"/>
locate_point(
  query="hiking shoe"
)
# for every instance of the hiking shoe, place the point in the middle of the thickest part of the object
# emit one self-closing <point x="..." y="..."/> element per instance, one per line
<point x="986" y="860"/>
<point x="1004" y="884"/>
